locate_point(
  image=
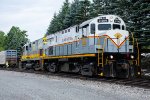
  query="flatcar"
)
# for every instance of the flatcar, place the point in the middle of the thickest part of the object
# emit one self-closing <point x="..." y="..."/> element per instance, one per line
<point x="99" y="46"/>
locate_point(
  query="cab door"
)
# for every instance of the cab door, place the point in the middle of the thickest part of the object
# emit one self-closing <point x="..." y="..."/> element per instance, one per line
<point x="41" y="52"/>
<point x="85" y="30"/>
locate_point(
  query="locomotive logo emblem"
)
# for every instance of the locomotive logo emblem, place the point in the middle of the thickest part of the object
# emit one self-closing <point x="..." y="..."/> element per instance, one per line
<point x="118" y="35"/>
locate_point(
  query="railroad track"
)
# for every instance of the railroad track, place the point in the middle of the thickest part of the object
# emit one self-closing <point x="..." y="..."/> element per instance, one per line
<point x="143" y="82"/>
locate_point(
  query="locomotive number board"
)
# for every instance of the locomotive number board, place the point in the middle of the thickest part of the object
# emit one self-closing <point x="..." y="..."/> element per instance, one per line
<point x="102" y="20"/>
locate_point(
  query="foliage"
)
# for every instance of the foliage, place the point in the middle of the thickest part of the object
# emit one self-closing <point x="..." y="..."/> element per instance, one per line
<point x="140" y="18"/>
<point x="2" y="41"/>
<point x="145" y="62"/>
<point x="15" y="39"/>
<point x="69" y="15"/>
<point x="58" y="22"/>
<point x="82" y="13"/>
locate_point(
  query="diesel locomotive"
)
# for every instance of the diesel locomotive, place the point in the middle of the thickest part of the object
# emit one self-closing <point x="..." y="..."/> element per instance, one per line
<point x="99" y="46"/>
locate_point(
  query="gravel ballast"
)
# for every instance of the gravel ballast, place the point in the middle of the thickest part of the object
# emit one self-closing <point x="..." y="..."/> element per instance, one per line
<point x="28" y="86"/>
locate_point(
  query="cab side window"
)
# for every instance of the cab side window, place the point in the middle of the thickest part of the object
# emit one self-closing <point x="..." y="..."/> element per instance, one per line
<point x="27" y="48"/>
<point x="123" y="27"/>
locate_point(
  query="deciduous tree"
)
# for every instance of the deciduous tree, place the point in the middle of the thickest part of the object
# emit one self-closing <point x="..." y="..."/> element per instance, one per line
<point x="2" y="40"/>
<point x="15" y="39"/>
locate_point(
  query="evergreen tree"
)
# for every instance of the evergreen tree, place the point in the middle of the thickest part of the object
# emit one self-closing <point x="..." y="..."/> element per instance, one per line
<point x="83" y="11"/>
<point x="58" y="22"/>
<point x="62" y="15"/>
<point x="74" y="11"/>
<point x="139" y="21"/>
<point x="96" y="8"/>
<point x="53" y="27"/>
<point x="125" y="11"/>
<point x="106" y="7"/>
<point x="67" y="21"/>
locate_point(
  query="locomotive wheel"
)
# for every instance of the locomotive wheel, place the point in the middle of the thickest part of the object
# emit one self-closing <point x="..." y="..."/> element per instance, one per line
<point x="87" y="70"/>
<point x="52" y="68"/>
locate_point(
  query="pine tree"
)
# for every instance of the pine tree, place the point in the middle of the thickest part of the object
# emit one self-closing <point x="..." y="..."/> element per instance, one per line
<point x="57" y="22"/>
<point x="106" y="7"/>
<point x="54" y="25"/>
<point x="96" y="8"/>
<point x="67" y="21"/>
<point x="74" y="11"/>
<point x="139" y="21"/>
<point x="62" y="14"/>
<point x="83" y="11"/>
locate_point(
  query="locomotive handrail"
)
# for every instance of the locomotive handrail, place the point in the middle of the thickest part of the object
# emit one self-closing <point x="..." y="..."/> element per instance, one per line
<point x="138" y="51"/>
<point x="103" y="51"/>
<point x="136" y="46"/>
<point x="133" y="39"/>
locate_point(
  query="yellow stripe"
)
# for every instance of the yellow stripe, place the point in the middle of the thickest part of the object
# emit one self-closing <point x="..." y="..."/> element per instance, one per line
<point x="57" y="57"/>
<point x="71" y="56"/>
<point x="33" y="56"/>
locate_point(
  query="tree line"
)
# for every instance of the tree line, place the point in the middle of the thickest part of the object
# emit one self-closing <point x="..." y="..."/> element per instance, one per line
<point x="135" y="13"/>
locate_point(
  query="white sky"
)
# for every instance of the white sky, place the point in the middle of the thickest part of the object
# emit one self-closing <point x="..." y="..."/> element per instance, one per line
<point x="33" y="16"/>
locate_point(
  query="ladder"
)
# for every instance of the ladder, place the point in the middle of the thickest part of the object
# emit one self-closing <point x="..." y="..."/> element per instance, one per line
<point x="101" y="53"/>
<point x="100" y="58"/>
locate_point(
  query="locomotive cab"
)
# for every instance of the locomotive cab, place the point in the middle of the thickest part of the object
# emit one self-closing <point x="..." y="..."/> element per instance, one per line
<point x="101" y="24"/>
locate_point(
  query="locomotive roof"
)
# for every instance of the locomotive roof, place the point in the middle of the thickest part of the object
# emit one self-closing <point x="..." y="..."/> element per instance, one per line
<point x="88" y="21"/>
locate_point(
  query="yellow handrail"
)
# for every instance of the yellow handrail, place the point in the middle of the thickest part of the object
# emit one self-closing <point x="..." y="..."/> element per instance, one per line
<point x="98" y="51"/>
<point x="133" y="40"/>
<point x="138" y="58"/>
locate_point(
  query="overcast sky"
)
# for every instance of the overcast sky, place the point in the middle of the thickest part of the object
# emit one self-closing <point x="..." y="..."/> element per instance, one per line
<point x="30" y="15"/>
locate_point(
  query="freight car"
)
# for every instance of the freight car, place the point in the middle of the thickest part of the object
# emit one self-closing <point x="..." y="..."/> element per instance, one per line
<point x="99" y="46"/>
<point x="8" y="58"/>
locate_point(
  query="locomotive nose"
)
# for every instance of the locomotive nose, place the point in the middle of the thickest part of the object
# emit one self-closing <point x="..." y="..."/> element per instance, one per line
<point x="118" y="37"/>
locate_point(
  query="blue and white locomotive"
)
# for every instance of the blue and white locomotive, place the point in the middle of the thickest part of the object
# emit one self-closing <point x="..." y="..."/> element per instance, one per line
<point x="99" y="46"/>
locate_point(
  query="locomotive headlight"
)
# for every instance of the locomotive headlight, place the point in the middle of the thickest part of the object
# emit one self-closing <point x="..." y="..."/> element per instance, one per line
<point x="132" y="57"/>
<point x="91" y="63"/>
<point x="111" y="56"/>
<point x="111" y="20"/>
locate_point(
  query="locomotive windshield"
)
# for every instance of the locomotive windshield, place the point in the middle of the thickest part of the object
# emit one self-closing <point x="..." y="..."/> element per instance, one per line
<point x="104" y="27"/>
<point x="116" y="26"/>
